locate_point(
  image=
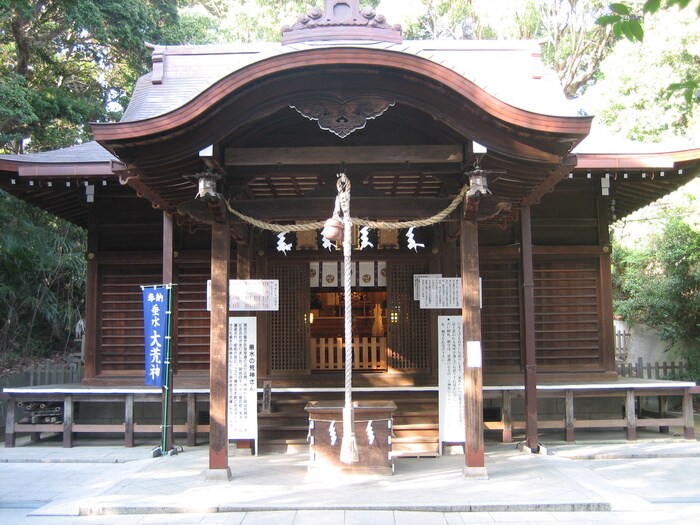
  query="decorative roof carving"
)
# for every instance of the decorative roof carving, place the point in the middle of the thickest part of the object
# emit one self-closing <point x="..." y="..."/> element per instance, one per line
<point x="342" y="115"/>
<point x="341" y="20"/>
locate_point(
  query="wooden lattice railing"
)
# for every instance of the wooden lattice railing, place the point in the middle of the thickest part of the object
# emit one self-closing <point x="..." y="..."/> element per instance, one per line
<point x="328" y="353"/>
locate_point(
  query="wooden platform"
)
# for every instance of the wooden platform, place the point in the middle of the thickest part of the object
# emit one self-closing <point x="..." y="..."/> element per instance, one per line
<point x="416" y="419"/>
<point x="70" y="395"/>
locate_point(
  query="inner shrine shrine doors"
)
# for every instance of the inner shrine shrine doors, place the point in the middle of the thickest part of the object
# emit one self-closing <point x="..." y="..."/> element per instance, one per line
<point x="390" y="331"/>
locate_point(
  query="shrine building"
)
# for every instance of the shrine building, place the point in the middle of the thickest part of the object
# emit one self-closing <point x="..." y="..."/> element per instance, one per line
<point x="480" y="204"/>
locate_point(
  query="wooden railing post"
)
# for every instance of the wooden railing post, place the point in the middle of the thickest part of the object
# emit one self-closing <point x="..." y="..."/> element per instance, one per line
<point x="10" y="440"/>
<point x="631" y="415"/>
<point x="569" y="417"/>
<point x="191" y="420"/>
<point x="507" y="417"/>
<point x="689" y="426"/>
<point x="68" y="421"/>
<point x="129" y="420"/>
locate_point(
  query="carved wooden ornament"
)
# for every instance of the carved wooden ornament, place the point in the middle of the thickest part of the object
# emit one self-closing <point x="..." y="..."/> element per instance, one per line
<point x="343" y="116"/>
<point x="341" y="20"/>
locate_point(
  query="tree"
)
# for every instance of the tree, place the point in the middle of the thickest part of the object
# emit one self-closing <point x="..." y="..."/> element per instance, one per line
<point x="574" y="44"/>
<point x="633" y="98"/>
<point x="628" y="21"/>
<point x="446" y="19"/>
<point x="64" y="63"/>
<point x="659" y="287"/>
<point x="42" y="281"/>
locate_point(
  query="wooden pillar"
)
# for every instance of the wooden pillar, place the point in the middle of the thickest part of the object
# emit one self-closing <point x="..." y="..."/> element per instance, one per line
<point x="218" y="363"/>
<point x="471" y="332"/>
<point x="605" y="286"/>
<point x="89" y="350"/>
<point x="169" y="278"/>
<point x="530" y="378"/>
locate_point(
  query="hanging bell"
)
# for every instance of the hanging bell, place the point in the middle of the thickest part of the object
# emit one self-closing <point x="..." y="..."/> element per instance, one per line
<point x="333" y="229"/>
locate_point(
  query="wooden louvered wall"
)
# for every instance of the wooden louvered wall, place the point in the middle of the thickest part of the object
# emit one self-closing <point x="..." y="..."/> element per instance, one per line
<point x="567" y="323"/>
<point x="192" y="318"/>
<point x="121" y="345"/>
<point x="408" y="328"/>
<point x="568" y="334"/>
<point x="500" y="315"/>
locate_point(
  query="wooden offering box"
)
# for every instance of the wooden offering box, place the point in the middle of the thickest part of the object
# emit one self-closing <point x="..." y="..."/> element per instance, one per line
<point x="373" y="434"/>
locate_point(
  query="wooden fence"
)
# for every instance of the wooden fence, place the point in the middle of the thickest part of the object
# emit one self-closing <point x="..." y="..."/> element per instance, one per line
<point x="649" y="370"/>
<point x="328" y="353"/>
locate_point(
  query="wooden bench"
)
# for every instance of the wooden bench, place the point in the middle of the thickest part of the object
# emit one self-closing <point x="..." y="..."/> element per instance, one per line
<point x="70" y="395"/>
<point x="629" y="389"/>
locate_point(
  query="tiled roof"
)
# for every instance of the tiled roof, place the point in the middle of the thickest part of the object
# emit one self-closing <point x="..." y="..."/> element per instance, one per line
<point x="86" y="153"/>
<point x="509" y="70"/>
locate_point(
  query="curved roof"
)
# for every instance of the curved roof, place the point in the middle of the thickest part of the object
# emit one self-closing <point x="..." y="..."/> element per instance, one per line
<point x="171" y="105"/>
<point x="494" y="92"/>
<point x="508" y="70"/>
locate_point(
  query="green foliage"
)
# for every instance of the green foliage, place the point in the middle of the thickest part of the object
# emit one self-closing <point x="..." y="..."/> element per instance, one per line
<point x="660" y="286"/>
<point x="42" y="283"/>
<point x="447" y="19"/>
<point x="633" y="98"/>
<point x="69" y="61"/>
<point x="628" y="23"/>
<point x="16" y="112"/>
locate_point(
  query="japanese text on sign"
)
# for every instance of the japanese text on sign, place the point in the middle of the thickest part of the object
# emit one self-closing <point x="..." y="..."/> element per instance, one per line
<point x="440" y="292"/>
<point x="156" y="321"/>
<point x="242" y="378"/>
<point x="248" y="295"/>
<point x="451" y="379"/>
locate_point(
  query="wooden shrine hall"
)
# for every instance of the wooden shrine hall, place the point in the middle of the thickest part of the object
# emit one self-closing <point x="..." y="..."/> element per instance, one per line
<point x="465" y="160"/>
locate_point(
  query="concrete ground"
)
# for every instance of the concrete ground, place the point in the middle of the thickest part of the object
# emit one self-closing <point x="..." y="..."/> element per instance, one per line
<point x="596" y="480"/>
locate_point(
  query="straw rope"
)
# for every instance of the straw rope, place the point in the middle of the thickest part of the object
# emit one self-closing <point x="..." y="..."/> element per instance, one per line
<point x="377" y="225"/>
<point x="348" y="448"/>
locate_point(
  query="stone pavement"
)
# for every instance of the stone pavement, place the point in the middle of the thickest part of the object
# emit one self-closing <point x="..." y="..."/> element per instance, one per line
<point x="649" y="481"/>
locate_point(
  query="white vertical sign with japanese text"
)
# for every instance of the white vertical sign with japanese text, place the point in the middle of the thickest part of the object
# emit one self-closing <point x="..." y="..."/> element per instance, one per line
<point x="242" y="378"/>
<point x="451" y="379"/>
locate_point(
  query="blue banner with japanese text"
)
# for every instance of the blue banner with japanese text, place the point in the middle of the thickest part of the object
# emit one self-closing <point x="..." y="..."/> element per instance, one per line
<point x="156" y="325"/>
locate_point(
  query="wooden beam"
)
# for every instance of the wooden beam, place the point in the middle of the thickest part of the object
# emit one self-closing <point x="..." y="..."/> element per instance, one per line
<point x="547" y="185"/>
<point x="343" y="154"/>
<point x="529" y="331"/>
<point x="312" y="208"/>
<point x="471" y="333"/>
<point x="218" y="349"/>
